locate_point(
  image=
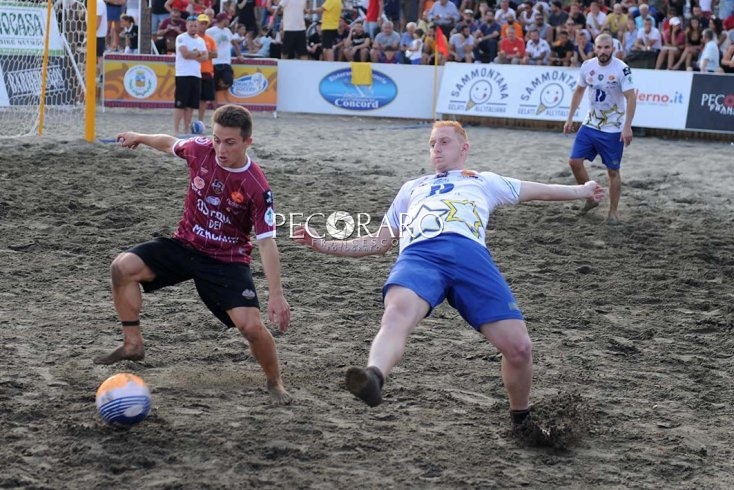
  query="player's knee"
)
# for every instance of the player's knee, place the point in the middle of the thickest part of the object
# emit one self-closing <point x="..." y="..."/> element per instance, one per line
<point x="121" y="268"/>
<point x="251" y="329"/>
<point x="575" y="163"/>
<point x="519" y="352"/>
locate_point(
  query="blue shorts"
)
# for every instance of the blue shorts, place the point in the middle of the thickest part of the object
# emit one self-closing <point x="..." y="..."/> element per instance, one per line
<point x="455" y="267"/>
<point x="591" y="142"/>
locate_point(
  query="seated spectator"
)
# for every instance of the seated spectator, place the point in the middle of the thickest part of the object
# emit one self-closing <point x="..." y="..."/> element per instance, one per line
<point x="694" y="44"/>
<point x="501" y="14"/>
<point x="444" y="14"/>
<point x="388" y="55"/>
<point x="557" y="19"/>
<point x="648" y="38"/>
<point x="616" y="21"/>
<point x="674" y="43"/>
<point x="244" y="41"/>
<point x="629" y="38"/>
<point x="358" y="43"/>
<point x="576" y="14"/>
<point x="595" y="20"/>
<point x="129" y="34"/>
<point x="313" y="44"/>
<point x="487" y="39"/>
<point x="342" y="32"/>
<point x="461" y="45"/>
<point x="644" y="10"/>
<point x="386" y="37"/>
<point x="537" y="50"/>
<point x="467" y="19"/>
<point x="710" y="60"/>
<point x="414" y="52"/>
<point x="512" y="24"/>
<point x="262" y="43"/>
<point x="583" y="49"/>
<point x="697" y="13"/>
<point x="168" y="31"/>
<point x="727" y="61"/>
<point x="512" y="49"/>
<point x="429" y="47"/>
<point x="562" y="50"/>
<point x="407" y="38"/>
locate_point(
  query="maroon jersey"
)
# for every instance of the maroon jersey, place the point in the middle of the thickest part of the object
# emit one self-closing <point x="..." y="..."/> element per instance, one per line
<point x="223" y="205"/>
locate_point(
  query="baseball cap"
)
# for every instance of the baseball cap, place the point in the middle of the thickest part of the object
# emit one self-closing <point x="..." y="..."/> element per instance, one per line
<point x="191" y="17"/>
<point x="221" y="16"/>
<point x="469" y="11"/>
<point x="203" y="18"/>
<point x="674" y="21"/>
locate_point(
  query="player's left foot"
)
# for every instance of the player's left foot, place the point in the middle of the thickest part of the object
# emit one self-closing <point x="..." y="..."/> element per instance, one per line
<point x="278" y="393"/>
<point x="612" y="220"/>
<point x="588" y="206"/>
<point x="366" y="384"/>
<point x="122" y="353"/>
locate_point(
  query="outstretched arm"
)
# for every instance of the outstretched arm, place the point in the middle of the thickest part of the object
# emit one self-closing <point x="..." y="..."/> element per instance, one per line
<point x="162" y="142"/>
<point x="535" y="191"/>
<point x="278" y="309"/>
<point x="377" y="244"/>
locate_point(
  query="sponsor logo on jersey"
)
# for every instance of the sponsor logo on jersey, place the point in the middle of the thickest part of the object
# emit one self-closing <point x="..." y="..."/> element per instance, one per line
<point x="218" y="186"/>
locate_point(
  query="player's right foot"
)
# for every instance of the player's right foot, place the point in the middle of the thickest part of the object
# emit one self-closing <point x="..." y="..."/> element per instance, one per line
<point x="122" y="353"/>
<point x="588" y="206"/>
<point x="278" y="393"/>
<point x="366" y="384"/>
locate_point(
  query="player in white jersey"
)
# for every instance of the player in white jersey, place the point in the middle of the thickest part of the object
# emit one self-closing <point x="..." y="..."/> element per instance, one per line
<point x="441" y="220"/>
<point x="607" y="128"/>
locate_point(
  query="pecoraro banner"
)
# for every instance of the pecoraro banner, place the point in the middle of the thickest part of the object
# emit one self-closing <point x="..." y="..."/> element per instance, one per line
<point x="149" y="81"/>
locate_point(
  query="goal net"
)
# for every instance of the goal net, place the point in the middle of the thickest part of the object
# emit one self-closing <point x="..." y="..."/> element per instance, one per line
<point x="23" y="32"/>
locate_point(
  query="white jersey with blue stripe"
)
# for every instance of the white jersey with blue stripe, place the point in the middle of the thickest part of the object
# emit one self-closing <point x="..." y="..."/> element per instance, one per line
<point x="458" y="202"/>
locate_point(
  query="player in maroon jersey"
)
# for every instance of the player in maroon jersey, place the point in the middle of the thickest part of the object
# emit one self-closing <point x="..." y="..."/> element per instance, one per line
<point x="228" y="196"/>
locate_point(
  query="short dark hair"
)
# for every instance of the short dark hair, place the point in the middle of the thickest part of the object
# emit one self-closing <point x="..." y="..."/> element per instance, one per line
<point x="234" y="116"/>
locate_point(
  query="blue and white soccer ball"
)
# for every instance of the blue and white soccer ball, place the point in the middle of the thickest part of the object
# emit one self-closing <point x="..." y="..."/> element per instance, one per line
<point x="123" y="400"/>
<point x="197" y="127"/>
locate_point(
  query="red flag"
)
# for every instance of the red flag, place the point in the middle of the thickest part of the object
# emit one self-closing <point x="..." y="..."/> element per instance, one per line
<point x="441" y="45"/>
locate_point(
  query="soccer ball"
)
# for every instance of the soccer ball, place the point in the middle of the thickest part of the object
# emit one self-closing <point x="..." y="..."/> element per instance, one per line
<point x="123" y="400"/>
<point x="197" y="127"/>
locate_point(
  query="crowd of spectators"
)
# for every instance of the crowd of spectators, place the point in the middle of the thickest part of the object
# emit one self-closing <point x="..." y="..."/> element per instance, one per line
<point x="660" y="34"/>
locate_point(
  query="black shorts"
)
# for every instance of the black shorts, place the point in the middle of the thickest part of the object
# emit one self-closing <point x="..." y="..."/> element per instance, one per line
<point x="223" y="77"/>
<point x="188" y="92"/>
<point x="328" y="38"/>
<point x="221" y="285"/>
<point x="294" y="44"/>
<point x="207" y="87"/>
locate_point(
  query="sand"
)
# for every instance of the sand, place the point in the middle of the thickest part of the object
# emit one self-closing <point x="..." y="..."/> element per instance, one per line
<point x="632" y="325"/>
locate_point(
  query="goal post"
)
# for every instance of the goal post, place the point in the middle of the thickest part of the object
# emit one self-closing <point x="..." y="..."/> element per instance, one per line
<point x="46" y="67"/>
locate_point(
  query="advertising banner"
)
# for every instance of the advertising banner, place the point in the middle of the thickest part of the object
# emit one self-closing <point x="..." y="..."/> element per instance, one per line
<point x="711" y="106"/>
<point x="149" y="81"/>
<point x="23" y="29"/>
<point x="21" y="82"/>
<point x="321" y="87"/>
<point x="544" y="94"/>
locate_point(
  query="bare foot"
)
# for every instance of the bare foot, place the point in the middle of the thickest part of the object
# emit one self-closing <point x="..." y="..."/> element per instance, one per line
<point x="588" y="206"/>
<point x="365" y="384"/>
<point x="612" y="220"/>
<point x="122" y="353"/>
<point x="278" y="393"/>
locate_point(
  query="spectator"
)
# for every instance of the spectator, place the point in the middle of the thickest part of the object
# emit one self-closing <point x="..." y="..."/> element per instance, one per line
<point x="501" y="14"/>
<point x="618" y="50"/>
<point x="545" y="31"/>
<point x="244" y="40"/>
<point x="512" y="49"/>
<point x="674" y="43"/>
<point x="294" y="29"/>
<point x="644" y="15"/>
<point x="331" y="12"/>
<point x="444" y="14"/>
<point x="562" y="50"/>
<point x="710" y="60"/>
<point x="557" y="18"/>
<point x="537" y="50"/>
<point x="488" y="40"/>
<point x="694" y="44"/>
<point x="246" y="16"/>
<point x="314" y="44"/>
<point x="414" y="52"/>
<point x="576" y="14"/>
<point x="263" y="43"/>
<point x="358" y="43"/>
<point x="190" y="53"/>
<point x="388" y="37"/>
<point x="180" y="5"/>
<point x="168" y="31"/>
<point x="696" y="12"/>
<point x="616" y="21"/>
<point x="583" y="49"/>
<point x="512" y="25"/>
<point x="388" y="55"/>
<point x="461" y="45"/>
<point x="727" y="61"/>
<point x="129" y="34"/>
<point x="373" y="14"/>
<point x="648" y="38"/>
<point x="223" y="37"/>
<point x="629" y="38"/>
<point x="595" y="20"/>
<point x="407" y="39"/>
<point x="158" y="13"/>
<point x="342" y="32"/>
<point x="208" y="92"/>
<point x="101" y="36"/>
<point x="468" y="20"/>
<point x="114" y="12"/>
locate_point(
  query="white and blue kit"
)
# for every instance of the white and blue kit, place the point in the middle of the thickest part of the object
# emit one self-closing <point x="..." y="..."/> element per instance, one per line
<point x="442" y="220"/>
